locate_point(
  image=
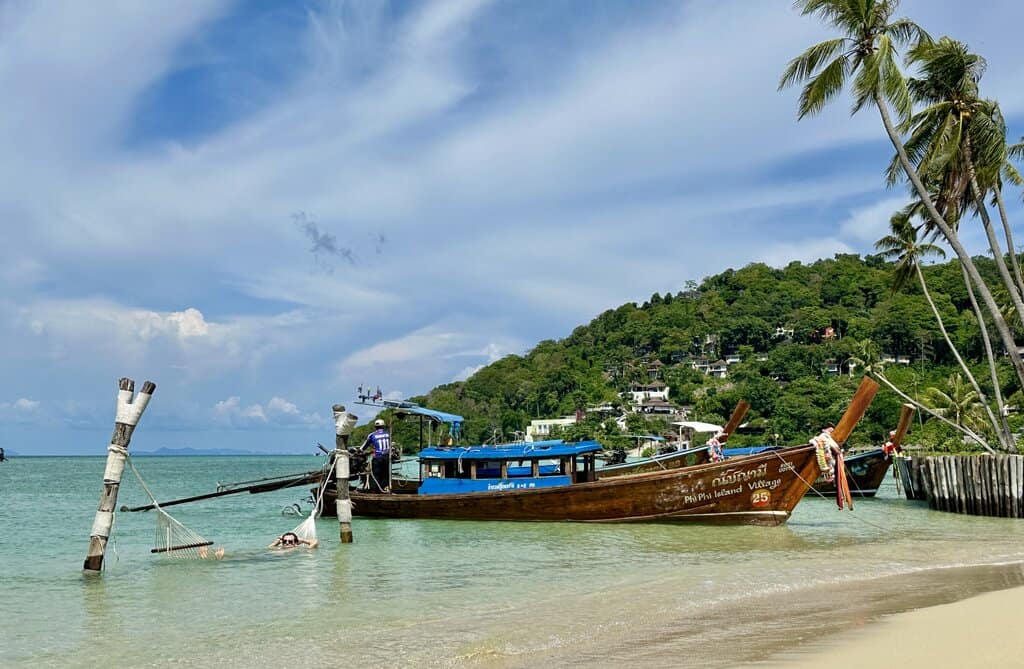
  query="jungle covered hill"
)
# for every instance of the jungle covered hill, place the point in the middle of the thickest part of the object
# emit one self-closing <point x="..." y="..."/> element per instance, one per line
<point x="796" y="341"/>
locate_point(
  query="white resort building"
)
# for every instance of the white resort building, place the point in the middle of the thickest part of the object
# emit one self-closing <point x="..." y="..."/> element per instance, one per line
<point x="541" y="429"/>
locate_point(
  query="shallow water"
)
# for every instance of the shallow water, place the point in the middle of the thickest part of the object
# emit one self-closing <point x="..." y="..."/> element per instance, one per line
<point x="437" y="593"/>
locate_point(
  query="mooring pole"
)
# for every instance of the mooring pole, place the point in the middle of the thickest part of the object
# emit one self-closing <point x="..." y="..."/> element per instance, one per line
<point x="129" y="411"/>
<point x="344" y="423"/>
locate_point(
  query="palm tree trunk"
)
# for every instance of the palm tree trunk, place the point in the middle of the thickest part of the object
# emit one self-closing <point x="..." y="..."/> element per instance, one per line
<point x="963" y="365"/>
<point x="1014" y="262"/>
<point x="960" y="428"/>
<point x="954" y="241"/>
<point x="990" y="233"/>
<point x="993" y="372"/>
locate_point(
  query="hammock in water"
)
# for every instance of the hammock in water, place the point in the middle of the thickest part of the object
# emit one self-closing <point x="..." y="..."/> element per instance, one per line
<point x="172" y="538"/>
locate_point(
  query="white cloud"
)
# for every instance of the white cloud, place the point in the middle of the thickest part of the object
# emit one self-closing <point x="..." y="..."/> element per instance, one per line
<point x="276" y="413"/>
<point x="21" y="410"/>
<point x="869" y="224"/>
<point x="806" y="251"/>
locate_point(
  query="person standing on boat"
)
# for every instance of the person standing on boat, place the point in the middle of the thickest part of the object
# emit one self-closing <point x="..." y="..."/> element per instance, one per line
<point x="380" y="467"/>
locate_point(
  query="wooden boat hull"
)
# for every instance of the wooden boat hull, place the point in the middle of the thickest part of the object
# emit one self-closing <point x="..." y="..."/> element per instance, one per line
<point x="657" y="463"/>
<point x="759" y="490"/>
<point x="864" y="471"/>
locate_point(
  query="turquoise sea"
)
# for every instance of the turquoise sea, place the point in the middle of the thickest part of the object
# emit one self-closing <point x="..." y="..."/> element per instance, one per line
<point x="453" y="594"/>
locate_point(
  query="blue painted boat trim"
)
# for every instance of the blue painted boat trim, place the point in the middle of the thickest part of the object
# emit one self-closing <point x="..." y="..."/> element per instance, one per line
<point x="524" y="451"/>
<point x="439" y="486"/>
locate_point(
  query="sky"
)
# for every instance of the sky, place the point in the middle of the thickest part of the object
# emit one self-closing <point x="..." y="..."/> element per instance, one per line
<point x="262" y="205"/>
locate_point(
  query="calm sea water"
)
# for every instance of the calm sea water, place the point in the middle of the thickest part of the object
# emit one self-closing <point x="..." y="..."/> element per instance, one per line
<point x="434" y="593"/>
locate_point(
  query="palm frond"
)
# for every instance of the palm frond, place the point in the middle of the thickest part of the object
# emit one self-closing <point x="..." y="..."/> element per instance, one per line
<point x="893" y="83"/>
<point x="822" y="88"/>
<point x="904" y="31"/>
<point x="806" y="64"/>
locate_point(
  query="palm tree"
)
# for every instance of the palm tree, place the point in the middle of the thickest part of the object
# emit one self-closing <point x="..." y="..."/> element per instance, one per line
<point x="868" y="358"/>
<point x="1011" y="174"/>
<point x="901" y="245"/>
<point x="867" y="52"/>
<point x="957" y="402"/>
<point x="958" y="140"/>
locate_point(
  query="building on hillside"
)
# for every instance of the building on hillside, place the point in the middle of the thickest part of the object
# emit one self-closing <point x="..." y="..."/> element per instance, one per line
<point x="700" y="364"/>
<point x="656" y="405"/>
<point x="831" y="366"/>
<point x="542" y="428"/>
<point x="761" y="357"/>
<point x="719" y="369"/>
<point x="639" y="392"/>
<point x="654" y="368"/>
<point x="733" y="358"/>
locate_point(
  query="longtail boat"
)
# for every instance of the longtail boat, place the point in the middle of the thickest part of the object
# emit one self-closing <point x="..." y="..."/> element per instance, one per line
<point x="683" y="458"/>
<point x="507" y="483"/>
<point x="867" y="470"/>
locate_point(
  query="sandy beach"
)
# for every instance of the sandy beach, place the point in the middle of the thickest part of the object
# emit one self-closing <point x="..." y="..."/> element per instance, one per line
<point x="977" y="632"/>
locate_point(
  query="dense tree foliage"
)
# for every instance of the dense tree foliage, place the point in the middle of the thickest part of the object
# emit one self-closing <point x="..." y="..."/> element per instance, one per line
<point x="831" y="308"/>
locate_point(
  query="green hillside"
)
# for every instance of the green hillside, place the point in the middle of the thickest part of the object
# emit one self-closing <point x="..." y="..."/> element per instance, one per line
<point x="791" y="327"/>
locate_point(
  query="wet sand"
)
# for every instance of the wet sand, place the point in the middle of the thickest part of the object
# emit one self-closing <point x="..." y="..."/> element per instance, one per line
<point x="978" y="632"/>
<point x="831" y="623"/>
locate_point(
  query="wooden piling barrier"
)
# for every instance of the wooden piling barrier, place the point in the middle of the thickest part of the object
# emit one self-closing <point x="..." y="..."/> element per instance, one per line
<point x="344" y="423"/>
<point x="129" y="411"/>
<point x="982" y="485"/>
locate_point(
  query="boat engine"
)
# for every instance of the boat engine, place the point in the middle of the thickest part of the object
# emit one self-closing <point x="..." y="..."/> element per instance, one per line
<point x="616" y="456"/>
<point x="357" y="461"/>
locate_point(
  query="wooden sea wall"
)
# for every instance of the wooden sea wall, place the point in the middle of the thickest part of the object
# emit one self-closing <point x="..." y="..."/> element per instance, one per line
<point x="980" y="485"/>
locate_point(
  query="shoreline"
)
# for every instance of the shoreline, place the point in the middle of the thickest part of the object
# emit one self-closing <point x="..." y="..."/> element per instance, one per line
<point x="803" y="628"/>
<point x="977" y="632"/>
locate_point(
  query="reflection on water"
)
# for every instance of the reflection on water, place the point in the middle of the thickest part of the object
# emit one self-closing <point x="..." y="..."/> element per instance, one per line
<point x="444" y="593"/>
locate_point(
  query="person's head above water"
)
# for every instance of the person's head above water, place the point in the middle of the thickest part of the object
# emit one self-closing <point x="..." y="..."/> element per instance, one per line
<point x="289" y="538"/>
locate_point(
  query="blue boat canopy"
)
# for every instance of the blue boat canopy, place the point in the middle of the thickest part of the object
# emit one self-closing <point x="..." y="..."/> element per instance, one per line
<point x="410" y="407"/>
<point x="554" y="448"/>
<point x="747" y="450"/>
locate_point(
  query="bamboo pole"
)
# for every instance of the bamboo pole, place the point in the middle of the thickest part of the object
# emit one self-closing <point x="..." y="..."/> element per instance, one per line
<point x="978" y="497"/>
<point x="961" y="485"/>
<point x="344" y="423"/>
<point x="1004" y="484"/>
<point x="928" y="481"/>
<point x="1016" y="484"/>
<point x="129" y="411"/>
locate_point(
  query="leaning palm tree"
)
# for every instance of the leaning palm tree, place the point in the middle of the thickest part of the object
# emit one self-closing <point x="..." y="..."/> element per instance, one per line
<point x="902" y="246"/>
<point x="867" y="52"/>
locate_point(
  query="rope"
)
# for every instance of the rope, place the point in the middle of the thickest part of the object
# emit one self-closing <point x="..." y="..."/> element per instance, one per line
<point x="822" y="495"/>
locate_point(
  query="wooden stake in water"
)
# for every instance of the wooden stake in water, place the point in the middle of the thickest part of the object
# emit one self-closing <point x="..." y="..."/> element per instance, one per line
<point x="344" y="423"/>
<point x="129" y="411"/>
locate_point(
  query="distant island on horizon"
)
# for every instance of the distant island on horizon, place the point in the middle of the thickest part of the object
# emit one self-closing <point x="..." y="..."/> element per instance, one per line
<point x="160" y="452"/>
<point x="186" y="451"/>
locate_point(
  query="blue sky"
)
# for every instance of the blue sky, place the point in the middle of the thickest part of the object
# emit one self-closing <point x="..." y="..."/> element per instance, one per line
<point x="262" y="205"/>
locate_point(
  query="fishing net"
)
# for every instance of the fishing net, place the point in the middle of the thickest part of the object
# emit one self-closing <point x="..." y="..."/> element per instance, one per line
<point x="172" y="538"/>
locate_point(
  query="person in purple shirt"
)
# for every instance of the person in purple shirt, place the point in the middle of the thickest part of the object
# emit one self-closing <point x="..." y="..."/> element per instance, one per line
<point x="380" y="467"/>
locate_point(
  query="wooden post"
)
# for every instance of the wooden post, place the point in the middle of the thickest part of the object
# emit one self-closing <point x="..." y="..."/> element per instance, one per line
<point x="129" y="411"/>
<point x="344" y="423"/>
